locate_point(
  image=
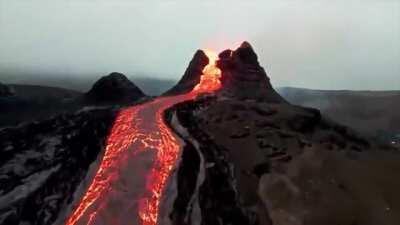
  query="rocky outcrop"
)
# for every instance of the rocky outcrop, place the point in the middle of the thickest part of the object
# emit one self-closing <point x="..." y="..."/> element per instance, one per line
<point x="243" y="77"/>
<point x="5" y="91"/>
<point x="192" y="75"/>
<point x="115" y="88"/>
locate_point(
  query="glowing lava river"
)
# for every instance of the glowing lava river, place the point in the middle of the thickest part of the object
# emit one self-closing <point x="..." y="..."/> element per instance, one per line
<point x="140" y="154"/>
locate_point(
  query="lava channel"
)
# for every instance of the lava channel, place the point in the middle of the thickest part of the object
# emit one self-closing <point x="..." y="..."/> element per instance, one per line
<point x="140" y="153"/>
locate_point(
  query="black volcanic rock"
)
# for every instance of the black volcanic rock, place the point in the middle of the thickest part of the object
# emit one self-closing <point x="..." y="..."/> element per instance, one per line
<point x="191" y="76"/>
<point x="5" y="91"/>
<point x="115" y="88"/>
<point x="243" y="77"/>
<point x="35" y="102"/>
<point x="43" y="163"/>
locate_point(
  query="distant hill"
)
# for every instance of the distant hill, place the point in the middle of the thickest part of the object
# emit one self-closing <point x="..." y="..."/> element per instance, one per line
<point x="114" y="88"/>
<point x="33" y="102"/>
<point x="153" y="86"/>
<point x="36" y="102"/>
<point x="371" y="112"/>
<point x="44" y="92"/>
<point x="149" y="84"/>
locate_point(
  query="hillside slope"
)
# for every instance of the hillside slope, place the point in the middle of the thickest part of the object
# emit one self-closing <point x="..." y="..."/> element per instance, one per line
<point x="370" y="112"/>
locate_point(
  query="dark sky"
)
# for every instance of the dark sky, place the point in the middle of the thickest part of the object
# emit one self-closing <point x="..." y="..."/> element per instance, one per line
<point x="344" y="44"/>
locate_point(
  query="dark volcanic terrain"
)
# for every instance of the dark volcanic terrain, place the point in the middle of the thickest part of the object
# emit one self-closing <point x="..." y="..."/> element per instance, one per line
<point x="45" y="164"/>
<point x="27" y="103"/>
<point x="373" y="113"/>
<point x="250" y="156"/>
<point x="264" y="161"/>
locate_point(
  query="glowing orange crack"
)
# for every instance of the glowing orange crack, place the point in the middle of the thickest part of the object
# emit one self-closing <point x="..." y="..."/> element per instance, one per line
<point x="129" y="128"/>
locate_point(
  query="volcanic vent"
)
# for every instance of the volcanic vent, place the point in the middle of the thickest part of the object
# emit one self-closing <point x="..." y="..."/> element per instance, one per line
<point x="239" y="73"/>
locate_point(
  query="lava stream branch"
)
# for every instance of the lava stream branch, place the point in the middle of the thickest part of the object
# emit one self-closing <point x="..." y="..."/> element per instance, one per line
<point x="137" y="131"/>
<point x="114" y="146"/>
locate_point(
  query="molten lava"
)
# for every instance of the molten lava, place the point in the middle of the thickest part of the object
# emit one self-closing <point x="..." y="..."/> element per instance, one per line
<point x="140" y="153"/>
<point x="210" y="79"/>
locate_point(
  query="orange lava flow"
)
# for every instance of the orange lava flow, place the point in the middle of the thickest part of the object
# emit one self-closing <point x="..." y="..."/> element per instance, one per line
<point x="210" y="79"/>
<point x="137" y="130"/>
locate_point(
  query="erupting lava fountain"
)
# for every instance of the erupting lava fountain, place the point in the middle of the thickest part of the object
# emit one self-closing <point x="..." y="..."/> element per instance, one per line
<point x="140" y="153"/>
